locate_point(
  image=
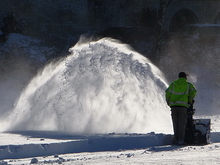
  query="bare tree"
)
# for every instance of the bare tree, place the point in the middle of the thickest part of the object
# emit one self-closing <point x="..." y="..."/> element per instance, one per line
<point x="160" y="33"/>
<point x="162" y="12"/>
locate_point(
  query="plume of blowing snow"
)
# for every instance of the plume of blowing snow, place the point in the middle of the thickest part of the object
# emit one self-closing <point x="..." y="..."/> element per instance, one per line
<point x="100" y="87"/>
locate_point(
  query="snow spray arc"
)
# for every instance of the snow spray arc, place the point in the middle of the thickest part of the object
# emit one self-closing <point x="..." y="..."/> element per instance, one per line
<point x="100" y="87"/>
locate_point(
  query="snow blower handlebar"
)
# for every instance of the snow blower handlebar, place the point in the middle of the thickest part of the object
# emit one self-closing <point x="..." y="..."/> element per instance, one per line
<point x="191" y="110"/>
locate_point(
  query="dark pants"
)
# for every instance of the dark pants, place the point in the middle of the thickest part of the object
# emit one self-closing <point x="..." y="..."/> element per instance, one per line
<point x="179" y="118"/>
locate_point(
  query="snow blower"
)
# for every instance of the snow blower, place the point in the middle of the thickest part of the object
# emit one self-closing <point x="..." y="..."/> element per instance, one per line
<point x="197" y="130"/>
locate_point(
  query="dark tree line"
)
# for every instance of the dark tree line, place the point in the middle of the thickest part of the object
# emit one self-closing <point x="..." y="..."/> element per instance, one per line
<point x="155" y="20"/>
<point x="10" y="24"/>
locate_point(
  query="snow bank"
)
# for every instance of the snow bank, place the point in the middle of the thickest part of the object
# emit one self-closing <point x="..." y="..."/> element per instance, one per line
<point x="33" y="144"/>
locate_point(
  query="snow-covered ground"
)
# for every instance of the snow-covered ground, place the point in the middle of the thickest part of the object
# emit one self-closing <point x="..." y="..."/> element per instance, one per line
<point x="43" y="147"/>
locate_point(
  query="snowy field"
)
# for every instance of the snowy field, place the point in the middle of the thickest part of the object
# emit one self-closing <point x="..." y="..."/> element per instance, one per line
<point x="62" y="148"/>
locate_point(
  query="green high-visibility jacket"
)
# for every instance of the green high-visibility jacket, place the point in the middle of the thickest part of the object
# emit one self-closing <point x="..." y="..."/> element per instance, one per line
<point x="180" y="93"/>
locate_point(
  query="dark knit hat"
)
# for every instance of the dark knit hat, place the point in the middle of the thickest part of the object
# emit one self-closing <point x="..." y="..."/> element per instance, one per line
<point x="182" y="75"/>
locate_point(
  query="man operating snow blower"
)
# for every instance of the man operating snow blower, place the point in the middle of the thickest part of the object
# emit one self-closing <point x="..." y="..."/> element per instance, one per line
<point x="179" y="96"/>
